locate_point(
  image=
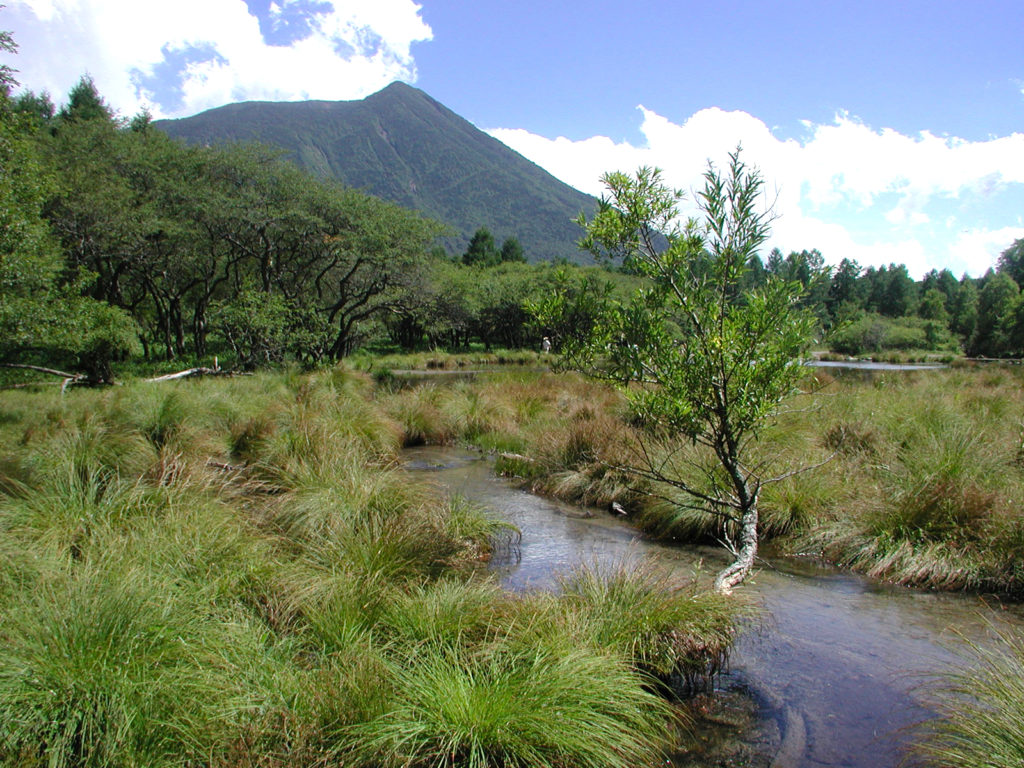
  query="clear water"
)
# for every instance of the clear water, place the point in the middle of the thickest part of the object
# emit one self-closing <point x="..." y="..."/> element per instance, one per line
<point x="871" y="365"/>
<point x="834" y="671"/>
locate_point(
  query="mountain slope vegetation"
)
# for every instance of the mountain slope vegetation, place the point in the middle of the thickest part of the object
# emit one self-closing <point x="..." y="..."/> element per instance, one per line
<point x="401" y="145"/>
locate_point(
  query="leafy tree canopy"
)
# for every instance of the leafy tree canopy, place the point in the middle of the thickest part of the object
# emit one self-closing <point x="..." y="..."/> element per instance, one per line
<point x="1011" y="262"/>
<point x="701" y="358"/>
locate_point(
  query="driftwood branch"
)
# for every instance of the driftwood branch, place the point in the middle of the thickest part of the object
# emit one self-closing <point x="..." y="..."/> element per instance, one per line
<point x="188" y="373"/>
<point x="509" y="456"/>
<point x="80" y="378"/>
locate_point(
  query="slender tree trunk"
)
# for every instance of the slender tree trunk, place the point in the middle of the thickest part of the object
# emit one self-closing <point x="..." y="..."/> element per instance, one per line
<point x="178" y="325"/>
<point x="746" y="551"/>
<point x="737" y="571"/>
<point x="199" y="327"/>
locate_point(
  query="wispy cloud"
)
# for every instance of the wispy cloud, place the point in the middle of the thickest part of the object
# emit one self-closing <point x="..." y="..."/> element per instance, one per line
<point x="184" y="56"/>
<point x="845" y="188"/>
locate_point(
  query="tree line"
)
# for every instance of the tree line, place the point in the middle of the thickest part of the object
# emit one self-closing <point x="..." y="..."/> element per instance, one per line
<point x="872" y="309"/>
<point x="122" y="242"/>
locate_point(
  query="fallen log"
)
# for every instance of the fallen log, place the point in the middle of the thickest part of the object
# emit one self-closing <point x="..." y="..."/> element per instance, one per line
<point x="188" y="373"/>
<point x="41" y="369"/>
<point x="69" y="378"/>
<point x="200" y="371"/>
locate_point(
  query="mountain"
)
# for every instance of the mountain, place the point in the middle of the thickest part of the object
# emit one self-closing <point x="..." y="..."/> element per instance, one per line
<point x="403" y="146"/>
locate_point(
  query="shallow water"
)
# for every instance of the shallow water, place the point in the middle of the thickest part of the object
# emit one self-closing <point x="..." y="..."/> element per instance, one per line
<point x="829" y="678"/>
<point x="871" y="365"/>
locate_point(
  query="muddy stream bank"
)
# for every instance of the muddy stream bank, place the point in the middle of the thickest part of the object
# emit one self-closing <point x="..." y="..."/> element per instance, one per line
<point x="829" y="678"/>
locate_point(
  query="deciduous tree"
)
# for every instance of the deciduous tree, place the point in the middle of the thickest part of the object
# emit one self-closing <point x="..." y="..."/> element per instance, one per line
<point x="42" y="312"/>
<point x="701" y="359"/>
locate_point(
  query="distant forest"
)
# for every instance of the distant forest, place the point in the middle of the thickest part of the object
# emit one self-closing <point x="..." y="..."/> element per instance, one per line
<point x="119" y="243"/>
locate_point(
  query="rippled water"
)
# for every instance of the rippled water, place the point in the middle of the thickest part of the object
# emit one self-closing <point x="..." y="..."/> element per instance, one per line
<point x="834" y="669"/>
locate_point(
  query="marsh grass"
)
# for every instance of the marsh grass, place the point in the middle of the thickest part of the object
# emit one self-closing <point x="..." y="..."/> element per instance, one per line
<point x="302" y="714"/>
<point x="73" y="506"/>
<point x="452" y="612"/>
<point x="979" y="709"/>
<point x="660" y="625"/>
<point x="237" y="572"/>
<point x="478" y="531"/>
<point x="474" y="413"/>
<point x="86" y="444"/>
<point x="204" y="546"/>
<point x="500" y="706"/>
<point x="104" y="668"/>
<point x="927" y="492"/>
<point x="438" y="360"/>
<point x="418" y="411"/>
<point x="924" y="487"/>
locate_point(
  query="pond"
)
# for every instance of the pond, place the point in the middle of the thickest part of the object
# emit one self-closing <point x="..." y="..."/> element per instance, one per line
<point x="831" y="677"/>
<point x="871" y="365"/>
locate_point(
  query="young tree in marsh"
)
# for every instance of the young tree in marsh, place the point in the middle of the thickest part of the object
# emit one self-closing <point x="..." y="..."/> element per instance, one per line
<point x="699" y="356"/>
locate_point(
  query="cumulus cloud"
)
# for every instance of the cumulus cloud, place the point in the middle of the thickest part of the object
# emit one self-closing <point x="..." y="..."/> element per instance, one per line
<point x="847" y="189"/>
<point x="181" y="57"/>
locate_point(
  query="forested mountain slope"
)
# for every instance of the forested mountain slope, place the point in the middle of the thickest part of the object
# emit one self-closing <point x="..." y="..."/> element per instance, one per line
<point x="404" y="146"/>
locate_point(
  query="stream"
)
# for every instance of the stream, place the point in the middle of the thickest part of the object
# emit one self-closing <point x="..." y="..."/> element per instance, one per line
<point x="829" y="677"/>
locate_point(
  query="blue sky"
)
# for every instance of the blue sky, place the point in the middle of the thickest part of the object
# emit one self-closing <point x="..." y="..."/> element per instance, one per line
<point x="886" y="131"/>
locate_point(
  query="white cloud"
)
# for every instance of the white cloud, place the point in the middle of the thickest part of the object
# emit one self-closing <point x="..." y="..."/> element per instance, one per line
<point x="352" y="50"/>
<point x="846" y="189"/>
<point x="975" y="250"/>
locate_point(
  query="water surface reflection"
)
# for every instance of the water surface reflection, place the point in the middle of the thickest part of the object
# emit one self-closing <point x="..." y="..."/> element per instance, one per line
<point x="836" y="664"/>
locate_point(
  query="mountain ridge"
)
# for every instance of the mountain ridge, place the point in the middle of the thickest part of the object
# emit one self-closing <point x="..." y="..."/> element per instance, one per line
<point x="402" y="145"/>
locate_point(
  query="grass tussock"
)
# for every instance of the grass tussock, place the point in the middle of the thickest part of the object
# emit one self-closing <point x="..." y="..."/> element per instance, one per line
<point x="101" y="668"/>
<point x="979" y="709"/>
<point x="932" y="490"/>
<point x="666" y="628"/>
<point x="501" y="706"/>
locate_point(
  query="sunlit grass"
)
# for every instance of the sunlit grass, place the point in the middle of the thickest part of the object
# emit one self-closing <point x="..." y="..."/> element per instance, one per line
<point x="913" y="477"/>
<point x="661" y="625"/>
<point x="105" y="667"/>
<point x="499" y="706"/>
<point x="979" y="709"/>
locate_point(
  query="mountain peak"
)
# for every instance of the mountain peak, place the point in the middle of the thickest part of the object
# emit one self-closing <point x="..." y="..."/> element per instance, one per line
<point x="399" y="86"/>
<point x="402" y="145"/>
